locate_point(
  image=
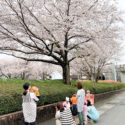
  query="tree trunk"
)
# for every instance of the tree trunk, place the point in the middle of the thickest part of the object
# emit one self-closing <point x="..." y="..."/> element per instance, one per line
<point x="9" y="76"/>
<point x="43" y="76"/>
<point x="23" y="76"/>
<point x="66" y="74"/>
<point x="94" y="78"/>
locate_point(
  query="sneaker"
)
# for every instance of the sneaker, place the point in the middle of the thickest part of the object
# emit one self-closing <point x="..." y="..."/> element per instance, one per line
<point x="91" y="121"/>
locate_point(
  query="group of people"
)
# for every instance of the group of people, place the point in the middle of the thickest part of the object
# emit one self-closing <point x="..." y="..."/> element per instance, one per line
<point x="68" y="111"/>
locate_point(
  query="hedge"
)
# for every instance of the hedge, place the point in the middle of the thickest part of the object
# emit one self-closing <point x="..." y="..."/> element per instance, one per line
<point x="51" y="91"/>
<point x="11" y="93"/>
<point x="101" y="87"/>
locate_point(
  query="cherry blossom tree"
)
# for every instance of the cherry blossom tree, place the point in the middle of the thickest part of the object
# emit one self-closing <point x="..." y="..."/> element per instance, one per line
<point x="100" y="56"/>
<point x="17" y="68"/>
<point x="39" y="70"/>
<point x="52" y="31"/>
<point x="11" y="68"/>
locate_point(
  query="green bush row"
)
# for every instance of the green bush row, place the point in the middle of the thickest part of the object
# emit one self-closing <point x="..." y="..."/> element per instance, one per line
<point x="51" y="91"/>
<point x="97" y="88"/>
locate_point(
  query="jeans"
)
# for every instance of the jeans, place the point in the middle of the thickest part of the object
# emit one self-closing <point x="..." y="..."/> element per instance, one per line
<point x="81" y="118"/>
<point x="32" y="123"/>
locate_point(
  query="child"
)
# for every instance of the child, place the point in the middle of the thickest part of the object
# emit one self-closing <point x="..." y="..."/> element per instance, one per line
<point x="85" y="112"/>
<point x="35" y="90"/>
<point x="88" y="95"/>
<point x="64" y="115"/>
<point x="66" y="104"/>
<point x="74" y="107"/>
<point x="58" y="122"/>
<point x="73" y="99"/>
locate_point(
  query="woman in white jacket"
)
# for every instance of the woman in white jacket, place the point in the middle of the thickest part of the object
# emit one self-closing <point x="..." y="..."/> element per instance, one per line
<point x="80" y="102"/>
<point x="29" y="105"/>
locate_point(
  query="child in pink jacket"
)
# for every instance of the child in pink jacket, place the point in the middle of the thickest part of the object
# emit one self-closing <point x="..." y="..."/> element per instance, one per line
<point x="66" y="104"/>
<point x="85" y="112"/>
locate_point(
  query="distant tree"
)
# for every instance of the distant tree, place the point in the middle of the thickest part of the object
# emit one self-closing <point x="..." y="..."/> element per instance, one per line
<point x="10" y="68"/>
<point x="39" y="70"/>
<point x="17" y="68"/>
<point x="100" y="56"/>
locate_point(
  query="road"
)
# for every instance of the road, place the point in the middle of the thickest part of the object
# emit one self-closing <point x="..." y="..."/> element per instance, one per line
<point x="112" y="111"/>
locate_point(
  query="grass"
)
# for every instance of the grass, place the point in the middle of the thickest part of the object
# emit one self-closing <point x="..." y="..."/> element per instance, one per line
<point x="51" y="91"/>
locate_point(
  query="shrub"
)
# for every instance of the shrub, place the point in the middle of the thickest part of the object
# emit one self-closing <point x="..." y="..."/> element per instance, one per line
<point x="97" y="88"/>
<point x="51" y="91"/>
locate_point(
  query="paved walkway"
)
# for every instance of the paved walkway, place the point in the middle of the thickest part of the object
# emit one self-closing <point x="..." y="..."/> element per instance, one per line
<point x="112" y="111"/>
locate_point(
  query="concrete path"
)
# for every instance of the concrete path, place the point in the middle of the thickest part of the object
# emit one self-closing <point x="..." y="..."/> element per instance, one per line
<point x="112" y="111"/>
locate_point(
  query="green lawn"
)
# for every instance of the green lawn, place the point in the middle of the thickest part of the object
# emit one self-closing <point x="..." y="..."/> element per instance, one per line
<point x="51" y="91"/>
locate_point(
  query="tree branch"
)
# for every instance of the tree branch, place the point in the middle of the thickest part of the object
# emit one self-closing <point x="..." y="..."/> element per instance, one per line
<point x="76" y="45"/>
<point x="36" y="60"/>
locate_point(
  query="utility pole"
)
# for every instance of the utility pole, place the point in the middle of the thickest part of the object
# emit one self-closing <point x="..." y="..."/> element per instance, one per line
<point x="115" y="73"/>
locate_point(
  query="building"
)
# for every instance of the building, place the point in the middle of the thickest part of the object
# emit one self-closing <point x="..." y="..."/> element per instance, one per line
<point x="116" y="73"/>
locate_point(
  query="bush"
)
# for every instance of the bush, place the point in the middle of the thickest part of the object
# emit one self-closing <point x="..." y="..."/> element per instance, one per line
<point x="97" y="88"/>
<point x="51" y="91"/>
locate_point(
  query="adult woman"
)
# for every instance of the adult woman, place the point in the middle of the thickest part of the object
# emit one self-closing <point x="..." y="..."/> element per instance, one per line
<point x="29" y="105"/>
<point x="93" y="114"/>
<point x="80" y="102"/>
<point x="64" y="114"/>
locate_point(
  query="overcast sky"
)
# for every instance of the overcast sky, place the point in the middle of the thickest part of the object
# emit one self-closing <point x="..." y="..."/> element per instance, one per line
<point x="121" y="5"/>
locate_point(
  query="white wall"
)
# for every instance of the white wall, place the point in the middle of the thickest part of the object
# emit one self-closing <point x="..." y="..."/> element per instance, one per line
<point x="56" y="75"/>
